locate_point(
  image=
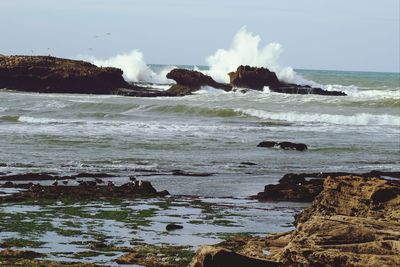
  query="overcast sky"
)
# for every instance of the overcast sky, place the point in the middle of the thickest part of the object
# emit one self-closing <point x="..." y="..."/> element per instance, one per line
<point x="331" y="34"/>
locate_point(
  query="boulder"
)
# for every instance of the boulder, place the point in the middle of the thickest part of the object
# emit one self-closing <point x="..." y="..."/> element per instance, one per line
<point x="173" y="226"/>
<point x="284" y="145"/>
<point x="189" y="81"/>
<point x="209" y="256"/>
<point x="302" y="191"/>
<point x="56" y="75"/>
<point x="258" y="77"/>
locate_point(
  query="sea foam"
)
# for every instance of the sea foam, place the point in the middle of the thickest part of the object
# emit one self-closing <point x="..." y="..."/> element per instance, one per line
<point x="245" y="50"/>
<point x="134" y="67"/>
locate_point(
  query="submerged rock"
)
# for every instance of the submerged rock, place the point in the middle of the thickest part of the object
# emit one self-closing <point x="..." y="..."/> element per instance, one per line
<point x="257" y="78"/>
<point x="138" y="91"/>
<point x="284" y="145"/>
<point x="189" y="81"/>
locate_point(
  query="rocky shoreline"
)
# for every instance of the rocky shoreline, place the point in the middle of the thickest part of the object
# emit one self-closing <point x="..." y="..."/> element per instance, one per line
<point x="47" y="74"/>
<point x="354" y="221"/>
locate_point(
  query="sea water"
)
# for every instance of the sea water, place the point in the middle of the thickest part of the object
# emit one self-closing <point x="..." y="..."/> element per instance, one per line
<point x="211" y="131"/>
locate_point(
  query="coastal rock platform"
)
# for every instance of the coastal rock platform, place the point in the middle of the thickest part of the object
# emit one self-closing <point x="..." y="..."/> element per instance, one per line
<point x="354" y="221"/>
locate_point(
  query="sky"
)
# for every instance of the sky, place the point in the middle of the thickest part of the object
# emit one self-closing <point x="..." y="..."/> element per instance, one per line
<point x="326" y="34"/>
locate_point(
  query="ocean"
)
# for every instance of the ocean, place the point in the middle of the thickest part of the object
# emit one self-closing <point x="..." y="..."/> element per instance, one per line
<point x="209" y="132"/>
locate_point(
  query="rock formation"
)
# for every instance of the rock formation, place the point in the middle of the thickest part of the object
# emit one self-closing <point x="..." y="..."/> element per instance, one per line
<point x="253" y="78"/>
<point x="56" y="75"/>
<point x="189" y="81"/>
<point x="284" y="145"/>
<point x="87" y="189"/>
<point x="46" y="74"/>
<point x="354" y="221"/>
<point x="304" y="187"/>
<point x="257" y="78"/>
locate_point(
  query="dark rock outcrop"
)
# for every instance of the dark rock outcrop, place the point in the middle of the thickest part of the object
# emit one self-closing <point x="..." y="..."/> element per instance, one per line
<point x="284" y="145"/>
<point x="209" y="256"/>
<point x="138" y="91"/>
<point x="46" y="74"/>
<point x="304" y="187"/>
<point x="189" y="81"/>
<point x="298" y="190"/>
<point x="85" y="190"/>
<point x="173" y="226"/>
<point x="56" y="75"/>
<point x="256" y="78"/>
<point x="253" y="78"/>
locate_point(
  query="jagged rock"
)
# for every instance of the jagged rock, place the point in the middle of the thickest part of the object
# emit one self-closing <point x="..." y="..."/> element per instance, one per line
<point x="209" y="256"/>
<point x="304" y="191"/>
<point x="253" y="77"/>
<point x="85" y="190"/>
<point x="348" y="224"/>
<point x="354" y="221"/>
<point x="257" y="78"/>
<point x="189" y="81"/>
<point x="56" y="75"/>
<point x="298" y="187"/>
<point x="284" y="145"/>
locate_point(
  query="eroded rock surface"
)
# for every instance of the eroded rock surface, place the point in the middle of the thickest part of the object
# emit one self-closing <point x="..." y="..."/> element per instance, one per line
<point x="257" y="78"/>
<point x="304" y="187"/>
<point x="189" y="81"/>
<point x="354" y="221"/>
<point x="348" y="224"/>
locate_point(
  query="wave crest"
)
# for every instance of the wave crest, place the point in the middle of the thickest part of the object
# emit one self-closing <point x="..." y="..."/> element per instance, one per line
<point x="245" y="50"/>
<point x="360" y="119"/>
<point x="134" y="67"/>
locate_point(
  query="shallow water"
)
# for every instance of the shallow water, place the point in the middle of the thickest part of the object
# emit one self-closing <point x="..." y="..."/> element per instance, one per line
<point x="63" y="229"/>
